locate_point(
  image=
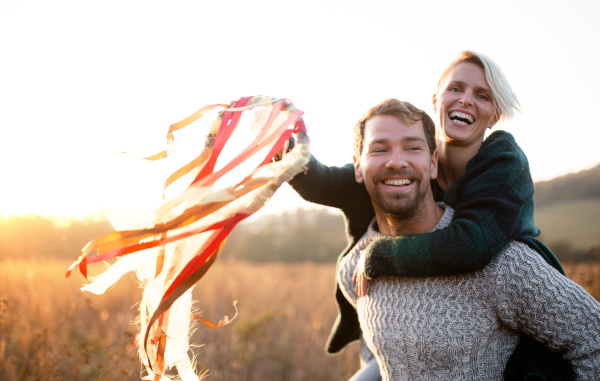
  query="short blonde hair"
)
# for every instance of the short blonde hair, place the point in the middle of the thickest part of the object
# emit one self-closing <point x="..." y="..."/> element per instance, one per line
<point x="505" y="100"/>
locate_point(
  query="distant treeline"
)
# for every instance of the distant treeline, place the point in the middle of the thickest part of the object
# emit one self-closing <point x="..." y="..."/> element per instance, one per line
<point x="295" y="236"/>
<point x="303" y="235"/>
<point x="32" y="237"/>
<point x="584" y="184"/>
<point x="298" y="236"/>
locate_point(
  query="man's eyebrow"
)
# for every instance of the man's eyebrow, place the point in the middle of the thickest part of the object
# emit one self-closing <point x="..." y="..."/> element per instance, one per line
<point x="413" y="138"/>
<point x="378" y="141"/>
<point x="404" y="139"/>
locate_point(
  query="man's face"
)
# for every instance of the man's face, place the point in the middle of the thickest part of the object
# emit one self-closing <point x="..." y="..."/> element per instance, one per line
<point x="395" y="165"/>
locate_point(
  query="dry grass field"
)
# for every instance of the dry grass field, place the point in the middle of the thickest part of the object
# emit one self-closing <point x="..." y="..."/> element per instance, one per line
<point x="49" y="330"/>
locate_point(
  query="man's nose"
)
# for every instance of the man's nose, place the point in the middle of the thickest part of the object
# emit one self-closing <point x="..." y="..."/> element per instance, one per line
<point x="397" y="159"/>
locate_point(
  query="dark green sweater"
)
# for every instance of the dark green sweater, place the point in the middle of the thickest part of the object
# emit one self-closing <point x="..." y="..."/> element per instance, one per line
<point x="493" y="204"/>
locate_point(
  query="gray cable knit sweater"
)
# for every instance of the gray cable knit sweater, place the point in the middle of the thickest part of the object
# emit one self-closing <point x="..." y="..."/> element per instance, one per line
<point x="466" y="327"/>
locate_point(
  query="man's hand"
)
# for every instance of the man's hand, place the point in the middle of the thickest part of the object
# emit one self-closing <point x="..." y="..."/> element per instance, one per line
<point x="361" y="283"/>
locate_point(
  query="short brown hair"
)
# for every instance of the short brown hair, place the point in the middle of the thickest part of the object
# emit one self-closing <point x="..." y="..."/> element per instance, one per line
<point x="404" y="111"/>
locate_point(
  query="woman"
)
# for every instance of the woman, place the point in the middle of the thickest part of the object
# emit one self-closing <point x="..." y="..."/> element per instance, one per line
<point x="488" y="183"/>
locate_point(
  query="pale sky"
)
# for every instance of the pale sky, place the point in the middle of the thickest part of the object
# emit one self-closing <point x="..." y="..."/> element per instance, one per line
<point x="81" y="80"/>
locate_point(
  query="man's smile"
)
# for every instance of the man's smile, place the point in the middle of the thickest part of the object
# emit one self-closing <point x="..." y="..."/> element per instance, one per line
<point x="397" y="179"/>
<point x="397" y="182"/>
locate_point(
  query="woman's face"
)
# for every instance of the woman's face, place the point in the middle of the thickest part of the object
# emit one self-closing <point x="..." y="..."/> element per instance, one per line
<point x="464" y="106"/>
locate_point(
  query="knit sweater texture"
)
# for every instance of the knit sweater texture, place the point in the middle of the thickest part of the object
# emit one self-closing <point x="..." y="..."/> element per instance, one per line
<point x="465" y="327"/>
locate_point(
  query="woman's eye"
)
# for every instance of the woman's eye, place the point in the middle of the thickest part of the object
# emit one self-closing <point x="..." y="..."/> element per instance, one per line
<point x="482" y="97"/>
<point x="454" y="89"/>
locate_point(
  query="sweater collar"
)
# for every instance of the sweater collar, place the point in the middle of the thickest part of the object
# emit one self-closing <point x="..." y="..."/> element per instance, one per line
<point x="373" y="230"/>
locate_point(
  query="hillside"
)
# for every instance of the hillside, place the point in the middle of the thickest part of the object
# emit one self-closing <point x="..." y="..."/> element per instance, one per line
<point x="573" y="186"/>
<point x="567" y="210"/>
<point x="571" y="223"/>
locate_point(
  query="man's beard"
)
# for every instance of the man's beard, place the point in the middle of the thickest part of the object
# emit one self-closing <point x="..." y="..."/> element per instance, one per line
<point x="400" y="206"/>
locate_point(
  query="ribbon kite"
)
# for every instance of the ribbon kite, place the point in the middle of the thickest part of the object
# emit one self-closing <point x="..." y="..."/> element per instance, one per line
<point x="203" y="200"/>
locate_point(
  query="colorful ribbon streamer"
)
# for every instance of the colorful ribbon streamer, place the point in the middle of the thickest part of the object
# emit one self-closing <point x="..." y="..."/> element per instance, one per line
<point x="173" y="252"/>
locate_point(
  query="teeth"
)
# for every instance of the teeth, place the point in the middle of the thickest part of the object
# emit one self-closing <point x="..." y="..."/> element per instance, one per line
<point x="465" y="117"/>
<point x="397" y="182"/>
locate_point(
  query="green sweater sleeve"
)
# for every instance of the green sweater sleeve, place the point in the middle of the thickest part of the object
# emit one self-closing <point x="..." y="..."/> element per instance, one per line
<point x="493" y="204"/>
<point x="337" y="187"/>
<point x="329" y="186"/>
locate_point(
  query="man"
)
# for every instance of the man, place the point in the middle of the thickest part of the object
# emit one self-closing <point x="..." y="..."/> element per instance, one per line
<point x="453" y="327"/>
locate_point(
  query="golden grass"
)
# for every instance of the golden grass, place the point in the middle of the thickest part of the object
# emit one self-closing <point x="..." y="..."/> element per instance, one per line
<point x="50" y="330"/>
<point x="587" y="275"/>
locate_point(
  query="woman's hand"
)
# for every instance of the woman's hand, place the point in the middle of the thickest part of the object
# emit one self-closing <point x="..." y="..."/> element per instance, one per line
<point x="361" y="283"/>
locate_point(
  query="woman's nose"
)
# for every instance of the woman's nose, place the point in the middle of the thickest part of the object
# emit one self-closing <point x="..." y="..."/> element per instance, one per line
<point x="466" y="98"/>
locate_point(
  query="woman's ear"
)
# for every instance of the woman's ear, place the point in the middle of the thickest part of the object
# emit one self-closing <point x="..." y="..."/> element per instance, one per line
<point x="494" y="120"/>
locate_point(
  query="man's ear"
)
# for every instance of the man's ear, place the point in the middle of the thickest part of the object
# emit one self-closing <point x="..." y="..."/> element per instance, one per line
<point x="434" y="165"/>
<point x="357" y="171"/>
<point x="434" y="101"/>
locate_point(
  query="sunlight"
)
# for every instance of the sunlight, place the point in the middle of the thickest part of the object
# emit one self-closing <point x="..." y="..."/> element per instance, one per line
<point x="67" y="111"/>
